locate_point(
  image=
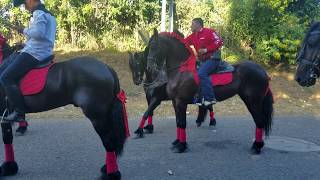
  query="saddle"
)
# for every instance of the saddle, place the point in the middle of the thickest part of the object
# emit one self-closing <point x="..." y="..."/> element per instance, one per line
<point x="35" y="80"/>
<point x="222" y="75"/>
<point x="223" y="67"/>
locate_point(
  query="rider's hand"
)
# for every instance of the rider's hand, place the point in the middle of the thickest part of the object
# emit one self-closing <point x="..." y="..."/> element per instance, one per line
<point x="18" y="46"/>
<point x="202" y="51"/>
<point x="19" y="29"/>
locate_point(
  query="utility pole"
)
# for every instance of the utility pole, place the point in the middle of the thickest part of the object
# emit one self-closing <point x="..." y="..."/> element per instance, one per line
<point x="171" y="15"/>
<point x="163" y="16"/>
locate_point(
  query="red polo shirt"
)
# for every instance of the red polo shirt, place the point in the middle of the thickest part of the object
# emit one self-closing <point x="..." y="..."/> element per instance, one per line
<point x="205" y="39"/>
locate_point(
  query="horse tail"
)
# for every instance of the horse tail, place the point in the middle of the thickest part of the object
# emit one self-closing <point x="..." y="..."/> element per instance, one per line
<point x="118" y="115"/>
<point x="268" y="111"/>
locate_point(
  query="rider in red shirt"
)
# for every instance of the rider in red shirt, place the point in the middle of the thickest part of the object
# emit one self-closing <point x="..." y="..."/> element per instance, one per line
<point x="207" y="44"/>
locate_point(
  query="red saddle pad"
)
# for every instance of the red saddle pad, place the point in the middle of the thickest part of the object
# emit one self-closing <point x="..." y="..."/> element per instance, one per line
<point x="221" y="79"/>
<point x="34" y="81"/>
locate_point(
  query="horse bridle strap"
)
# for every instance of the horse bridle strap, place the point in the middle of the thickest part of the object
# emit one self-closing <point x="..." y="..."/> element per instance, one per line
<point x="315" y="64"/>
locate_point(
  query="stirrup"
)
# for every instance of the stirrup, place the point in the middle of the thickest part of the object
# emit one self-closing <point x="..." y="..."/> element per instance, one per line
<point x="3" y="115"/>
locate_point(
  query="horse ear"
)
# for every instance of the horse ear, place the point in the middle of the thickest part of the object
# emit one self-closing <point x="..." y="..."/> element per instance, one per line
<point x="135" y="55"/>
<point x="144" y="36"/>
<point x="155" y="32"/>
<point x="130" y="55"/>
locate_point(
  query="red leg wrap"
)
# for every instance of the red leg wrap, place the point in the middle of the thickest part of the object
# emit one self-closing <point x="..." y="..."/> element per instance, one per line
<point x="23" y="124"/>
<point x="111" y="162"/>
<point x="150" y="120"/>
<point x="183" y="135"/>
<point x="211" y="115"/>
<point x="259" y="134"/>
<point x="142" y="122"/>
<point x="8" y="153"/>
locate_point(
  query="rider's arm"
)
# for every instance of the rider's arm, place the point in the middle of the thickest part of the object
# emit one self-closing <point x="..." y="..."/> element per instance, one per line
<point x="188" y="40"/>
<point x="37" y="27"/>
<point x="215" y="41"/>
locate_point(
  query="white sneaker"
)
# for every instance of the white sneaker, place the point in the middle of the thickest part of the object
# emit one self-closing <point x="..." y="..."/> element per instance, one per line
<point x="200" y="103"/>
<point x="208" y="103"/>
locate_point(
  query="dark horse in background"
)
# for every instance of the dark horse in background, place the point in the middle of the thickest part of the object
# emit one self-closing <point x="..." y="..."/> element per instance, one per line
<point x="6" y="51"/>
<point x="250" y="82"/>
<point x="86" y="83"/>
<point x="155" y="92"/>
<point x="308" y="57"/>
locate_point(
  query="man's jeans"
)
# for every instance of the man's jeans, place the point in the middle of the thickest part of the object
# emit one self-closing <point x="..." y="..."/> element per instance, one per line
<point x="205" y="70"/>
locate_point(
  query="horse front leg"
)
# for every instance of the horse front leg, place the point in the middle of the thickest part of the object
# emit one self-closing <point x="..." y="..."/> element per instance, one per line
<point x="9" y="166"/>
<point x="180" y="145"/>
<point x="154" y="102"/>
<point x="22" y="128"/>
<point x="149" y="127"/>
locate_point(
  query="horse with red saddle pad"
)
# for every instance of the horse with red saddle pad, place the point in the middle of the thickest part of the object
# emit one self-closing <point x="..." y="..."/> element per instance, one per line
<point x="84" y="82"/>
<point x="168" y="52"/>
<point x="155" y="94"/>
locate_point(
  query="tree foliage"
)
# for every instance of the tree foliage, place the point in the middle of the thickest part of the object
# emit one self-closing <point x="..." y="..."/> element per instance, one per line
<point x="271" y="29"/>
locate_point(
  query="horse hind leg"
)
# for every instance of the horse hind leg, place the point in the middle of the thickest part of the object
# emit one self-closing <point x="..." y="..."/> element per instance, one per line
<point x="213" y="122"/>
<point x="103" y="123"/>
<point x="255" y="107"/>
<point x="202" y="113"/>
<point x="110" y="170"/>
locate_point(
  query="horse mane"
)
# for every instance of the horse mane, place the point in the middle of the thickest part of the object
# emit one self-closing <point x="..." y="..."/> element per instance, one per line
<point x="311" y="29"/>
<point x="314" y="26"/>
<point x="179" y="38"/>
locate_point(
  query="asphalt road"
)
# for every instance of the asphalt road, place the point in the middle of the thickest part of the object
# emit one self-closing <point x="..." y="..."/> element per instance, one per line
<point x="69" y="149"/>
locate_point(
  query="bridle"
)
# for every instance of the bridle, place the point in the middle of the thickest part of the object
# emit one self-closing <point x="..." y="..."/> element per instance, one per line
<point x="315" y="63"/>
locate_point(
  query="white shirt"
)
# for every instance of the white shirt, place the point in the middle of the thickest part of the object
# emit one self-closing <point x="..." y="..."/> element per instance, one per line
<point x="41" y="35"/>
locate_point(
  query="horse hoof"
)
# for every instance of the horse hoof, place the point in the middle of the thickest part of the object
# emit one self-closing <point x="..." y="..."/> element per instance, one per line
<point x="213" y="122"/>
<point x="199" y="123"/>
<point x="111" y="176"/>
<point x="174" y="144"/>
<point x="180" y="147"/>
<point x="256" y="147"/>
<point x="149" y="129"/>
<point x="21" y="130"/>
<point x="9" y="168"/>
<point x="139" y="133"/>
<point x="103" y="169"/>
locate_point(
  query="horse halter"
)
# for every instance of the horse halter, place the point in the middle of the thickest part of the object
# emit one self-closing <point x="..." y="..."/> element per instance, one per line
<point x="315" y="63"/>
<point x="137" y="67"/>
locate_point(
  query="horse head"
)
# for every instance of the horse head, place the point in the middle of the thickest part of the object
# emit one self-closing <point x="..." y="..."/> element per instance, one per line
<point x="136" y="64"/>
<point x="156" y="53"/>
<point x="308" y="57"/>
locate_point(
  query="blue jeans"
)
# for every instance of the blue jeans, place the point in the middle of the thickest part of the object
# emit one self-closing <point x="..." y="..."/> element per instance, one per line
<point x="205" y="70"/>
<point x="11" y="72"/>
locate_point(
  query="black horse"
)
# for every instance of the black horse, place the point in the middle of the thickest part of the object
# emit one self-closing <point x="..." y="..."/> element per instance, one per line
<point x="308" y="57"/>
<point x="155" y="92"/>
<point x="7" y="50"/>
<point x="250" y="82"/>
<point x="86" y="83"/>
